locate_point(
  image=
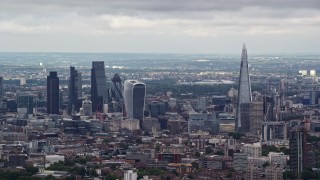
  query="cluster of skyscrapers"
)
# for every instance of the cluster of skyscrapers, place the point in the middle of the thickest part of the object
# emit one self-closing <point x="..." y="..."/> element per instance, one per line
<point x="128" y="98"/>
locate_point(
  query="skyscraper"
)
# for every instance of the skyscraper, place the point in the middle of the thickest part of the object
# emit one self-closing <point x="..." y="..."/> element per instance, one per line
<point x="25" y="101"/>
<point x="244" y="92"/>
<point x="75" y="90"/>
<point x="134" y="99"/>
<point x="115" y="93"/>
<point x="297" y="144"/>
<point x="99" y="90"/>
<point x="116" y="88"/>
<point x="53" y="93"/>
<point x="1" y="88"/>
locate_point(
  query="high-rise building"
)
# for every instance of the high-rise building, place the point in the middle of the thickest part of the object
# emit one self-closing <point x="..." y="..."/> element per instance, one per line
<point x="253" y="150"/>
<point x="130" y="175"/>
<point x="116" y="88"/>
<point x="116" y="93"/>
<point x="203" y="122"/>
<point x="75" y="90"/>
<point x="240" y="161"/>
<point x="87" y="108"/>
<point x="298" y="149"/>
<point x="99" y="90"/>
<point x="274" y="131"/>
<point x="274" y="172"/>
<point x="134" y="99"/>
<point x="244" y="92"/>
<point x="202" y="103"/>
<point x="252" y="114"/>
<point x="25" y="101"/>
<point x="53" y="93"/>
<point x="1" y="88"/>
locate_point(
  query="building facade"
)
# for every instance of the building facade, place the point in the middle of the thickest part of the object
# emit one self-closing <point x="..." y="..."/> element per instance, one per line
<point x="298" y="150"/>
<point x="116" y="92"/>
<point x="244" y="91"/>
<point x="203" y="122"/>
<point x="1" y="88"/>
<point x="53" y="93"/>
<point x="134" y="99"/>
<point x="252" y="150"/>
<point x="252" y="115"/>
<point x="99" y="90"/>
<point x="75" y="90"/>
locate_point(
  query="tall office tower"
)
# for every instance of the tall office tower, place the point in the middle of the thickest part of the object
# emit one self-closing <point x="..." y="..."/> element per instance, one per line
<point x="99" y="90"/>
<point x="53" y="93"/>
<point x="297" y="144"/>
<point x="75" y="90"/>
<point x="25" y="102"/>
<point x="115" y="93"/>
<point x="244" y="91"/>
<point x="134" y="99"/>
<point x="1" y="88"/>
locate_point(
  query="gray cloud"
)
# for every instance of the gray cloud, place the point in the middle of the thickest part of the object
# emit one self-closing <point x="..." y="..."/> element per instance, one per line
<point x="194" y="19"/>
<point x="154" y="6"/>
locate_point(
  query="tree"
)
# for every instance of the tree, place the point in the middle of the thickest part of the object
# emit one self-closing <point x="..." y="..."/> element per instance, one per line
<point x="208" y="150"/>
<point x="124" y="146"/>
<point x="266" y="164"/>
<point x="220" y="153"/>
<point x="289" y="175"/>
<point x="197" y="154"/>
<point x="229" y="175"/>
<point x="106" y="141"/>
<point x="111" y="177"/>
<point x="93" y="172"/>
<point x="113" y="167"/>
<point x="157" y="148"/>
<point x="190" y="176"/>
<point x="31" y="170"/>
<point x="266" y="149"/>
<point x="195" y="165"/>
<point x="236" y="135"/>
<point x="49" y="177"/>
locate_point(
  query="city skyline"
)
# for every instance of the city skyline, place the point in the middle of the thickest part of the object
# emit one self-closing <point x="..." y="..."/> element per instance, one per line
<point x="160" y="26"/>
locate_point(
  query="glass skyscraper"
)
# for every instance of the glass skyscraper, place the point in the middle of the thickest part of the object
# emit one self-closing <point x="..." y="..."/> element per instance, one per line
<point x="116" y="94"/>
<point x="99" y="90"/>
<point x="244" y="92"/>
<point x="75" y="90"/>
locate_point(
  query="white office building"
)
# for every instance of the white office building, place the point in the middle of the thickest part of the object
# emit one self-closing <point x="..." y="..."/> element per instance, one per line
<point x="252" y="150"/>
<point x="130" y="175"/>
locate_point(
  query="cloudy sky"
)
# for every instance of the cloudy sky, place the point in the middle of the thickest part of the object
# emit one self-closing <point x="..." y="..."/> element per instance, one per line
<point x="160" y="26"/>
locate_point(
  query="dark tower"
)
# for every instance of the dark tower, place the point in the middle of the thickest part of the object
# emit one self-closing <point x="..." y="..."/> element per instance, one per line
<point x="53" y="93"/>
<point x="1" y="88"/>
<point x="99" y="90"/>
<point x="75" y="90"/>
<point x="297" y="144"/>
<point x="244" y="91"/>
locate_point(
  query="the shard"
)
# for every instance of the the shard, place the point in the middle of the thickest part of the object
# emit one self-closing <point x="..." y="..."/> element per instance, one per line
<point x="244" y="92"/>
